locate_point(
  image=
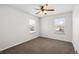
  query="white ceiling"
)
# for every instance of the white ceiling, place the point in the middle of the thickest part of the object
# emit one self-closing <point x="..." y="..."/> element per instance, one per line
<point x="59" y="8"/>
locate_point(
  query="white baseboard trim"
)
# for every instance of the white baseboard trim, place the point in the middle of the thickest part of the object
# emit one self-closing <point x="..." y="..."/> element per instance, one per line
<point x="17" y="44"/>
<point x="56" y="39"/>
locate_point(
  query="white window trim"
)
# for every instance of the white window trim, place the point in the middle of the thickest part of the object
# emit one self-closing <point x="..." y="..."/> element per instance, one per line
<point x="34" y="24"/>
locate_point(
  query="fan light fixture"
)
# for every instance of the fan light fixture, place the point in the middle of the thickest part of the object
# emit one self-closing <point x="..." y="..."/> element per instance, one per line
<point x="43" y="9"/>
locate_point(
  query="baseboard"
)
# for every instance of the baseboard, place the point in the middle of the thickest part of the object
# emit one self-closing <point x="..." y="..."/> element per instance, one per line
<point x="56" y="39"/>
<point x="17" y="44"/>
<point x="29" y="40"/>
<point x="76" y="51"/>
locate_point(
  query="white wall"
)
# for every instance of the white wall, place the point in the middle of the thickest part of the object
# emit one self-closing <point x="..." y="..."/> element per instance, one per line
<point x="76" y="28"/>
<point x="48" y="28"/>
<point x="14" y="27"/>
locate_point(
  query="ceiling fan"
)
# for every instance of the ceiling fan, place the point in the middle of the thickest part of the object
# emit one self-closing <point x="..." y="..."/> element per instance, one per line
<point x="44" y="9"/>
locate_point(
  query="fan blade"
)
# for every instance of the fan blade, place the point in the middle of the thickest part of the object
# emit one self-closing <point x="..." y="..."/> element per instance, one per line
<point x="50" y="10"/>
<point x="37" y="9"/>
<point x="37" y="12"/>
<point x="45" y="6"/>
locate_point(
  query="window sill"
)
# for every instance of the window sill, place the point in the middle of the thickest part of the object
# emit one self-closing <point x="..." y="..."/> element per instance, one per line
<point x="32" y="31"/>
<point x="59" y="32"/>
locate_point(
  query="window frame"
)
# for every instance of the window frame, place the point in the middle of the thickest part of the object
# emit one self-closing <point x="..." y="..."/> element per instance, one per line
<point x="32" y="23"/>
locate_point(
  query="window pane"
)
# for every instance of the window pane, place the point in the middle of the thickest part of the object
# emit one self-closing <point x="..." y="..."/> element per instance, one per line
<point x="32" y="25"/>
<point x="59" y="23"/>
<point x="32" y="22"/>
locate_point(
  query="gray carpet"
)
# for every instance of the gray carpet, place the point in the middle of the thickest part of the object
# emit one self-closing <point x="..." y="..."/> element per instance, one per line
<point x="42" y="45"/>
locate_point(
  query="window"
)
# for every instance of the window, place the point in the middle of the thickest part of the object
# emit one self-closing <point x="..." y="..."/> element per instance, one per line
<point x="32" y="24"/>
<point x="59" y="23"/>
